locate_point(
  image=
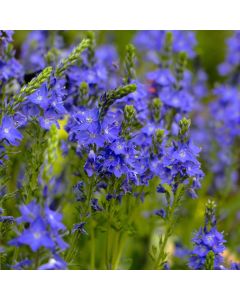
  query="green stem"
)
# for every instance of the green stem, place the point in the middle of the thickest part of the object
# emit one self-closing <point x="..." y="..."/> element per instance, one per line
<point x="121" y="245"/>
<point x="161" y="256"/>
<point x="37" y="259"/>
<point x="71" y="250"/>
<point x="92" y="246"/>
<point x="92" y="232"/>
<point x="108" y="265"/>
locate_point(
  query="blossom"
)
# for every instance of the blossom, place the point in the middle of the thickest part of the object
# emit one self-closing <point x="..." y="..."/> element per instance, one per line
<point x="54" y="263"/>
<point x="87" y="120"/>
<point x="35" y="237"/>
<point x="54" y="219"/>
<point x="8" y="131"/>
<point x="80" y="228"/>
<point x="95" y="206"/>
<point x="40" y="97"/>
<point x="206" y="241"/>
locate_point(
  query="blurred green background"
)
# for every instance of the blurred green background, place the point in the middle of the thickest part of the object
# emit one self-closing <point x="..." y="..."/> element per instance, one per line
<point x="211" y="45"/>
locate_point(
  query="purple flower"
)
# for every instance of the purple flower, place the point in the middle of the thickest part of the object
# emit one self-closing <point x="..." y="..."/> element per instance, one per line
<point x="22" y="264"/>
<point x="57" y="104"/>
<point x="48" y="120"/>
<point x="29" y="212"/>
<point x="119" y="146"/>
<point x="54" y="263"/>
<point x="206" y="241"/>
<point x="90" y="138"/>
<point x="95" y="206"/>
<point x="10" y="69"/>
<point x="80" y="228"/>
<point x="160" y="212"/>
<point x="87" y="120"/>
<point x="35" y="237"/>
<point x="8" y="131"/>
<point x="90" y="166"/>
<point x="54" y="219"/>
<point x="40" y="97"/>
<point x="6" y="219"/>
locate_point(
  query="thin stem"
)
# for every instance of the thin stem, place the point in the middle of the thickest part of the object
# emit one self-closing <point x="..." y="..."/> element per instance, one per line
<point x="92" y="231"/>
<point x="37" y="259"/>
<point x="121" y="245"/>
<point x="92" y="246"/>
<point x="161" y="255"/>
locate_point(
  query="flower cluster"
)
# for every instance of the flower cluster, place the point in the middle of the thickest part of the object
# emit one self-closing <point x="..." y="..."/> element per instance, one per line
<point x="209" y="243"/>
<point x="84" y="143"/>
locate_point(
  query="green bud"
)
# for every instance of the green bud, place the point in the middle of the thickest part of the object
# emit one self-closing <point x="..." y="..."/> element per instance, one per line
<point x="72" y="58"/>
<point x="91" y="48"/>
<point x="168" y="41"/>
<point x="50" y="152"/>
<point x="209" y="264"/>
<point x="159" y="134"/>
<point x="83" y="91"/>
<point x="122" y="91"/>
<point x="84" y="88"/>
<point x="129" y="112"/>
<point x="181" y="65"/>
<point x="36" y="82"/>
<point x="184" y="125"/>
<point x="111" y="96"/>
<point x="157" y="103"/>
<point x="210" y="212"/>
<point x="52" y="56"/>
<point x="31" y="87"/>
<point x="129" y="63"/>
<point x="166" y="54"/>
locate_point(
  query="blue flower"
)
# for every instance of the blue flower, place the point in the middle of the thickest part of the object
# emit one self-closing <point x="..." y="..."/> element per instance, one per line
<point x="7" y="219"/>
<point x="10" y="69"/>
<point x="48" y="120"/>
<point x="29" y="212"/>
<point x="40" y="97"/>
<point x="160" y="212"/>
<point x="90" y="165"/>
<point x="80" y="228"/>
<point x="119" y="146"/>
<point x="35" y="237"/>
<point x="111" y="127"/>
<point x="54" y="219"/>
<point x="54" y="263"/>
<point x="87" y="120"/>
<point x="95" y="206"/>
<point x="22" y="264"/>
<point x="90" y="138"/>
<point x="8" y="131"/>
<point x="206" y="241"/>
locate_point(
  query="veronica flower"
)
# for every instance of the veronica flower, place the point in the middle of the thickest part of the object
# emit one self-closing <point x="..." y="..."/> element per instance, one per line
<point x="35" y="237"/>
<point x="206" y="241"/>
<point x="87" y="120"/>
<point x="40" y="97"/>
<point x="54" y="219"/>
<point x="29" y="212"/>
<point x="8" y="131"/>
<point x="54" y="263"/>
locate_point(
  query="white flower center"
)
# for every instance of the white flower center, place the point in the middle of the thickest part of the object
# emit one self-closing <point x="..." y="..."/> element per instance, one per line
<point x="89" y="120"/>
<point x="37" y="235"/>
<point x="182" y="154"/>
<point x="52" y="261"/>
